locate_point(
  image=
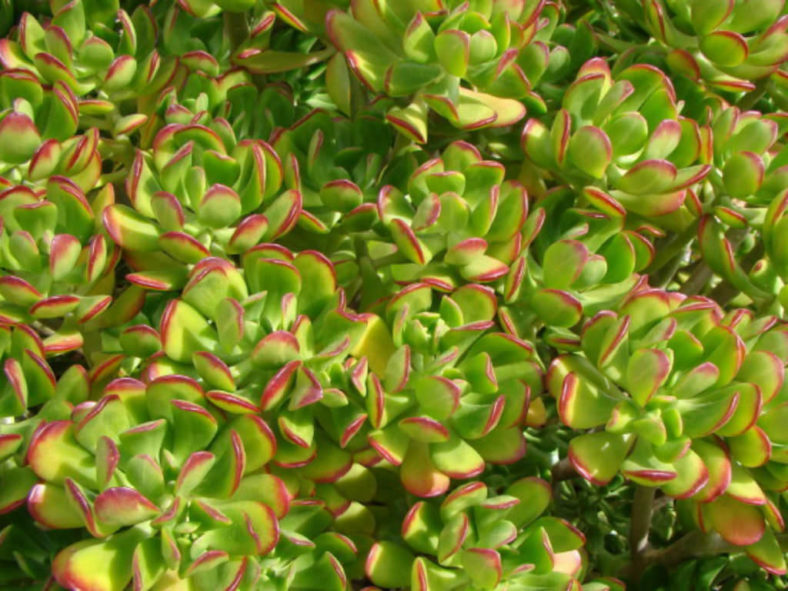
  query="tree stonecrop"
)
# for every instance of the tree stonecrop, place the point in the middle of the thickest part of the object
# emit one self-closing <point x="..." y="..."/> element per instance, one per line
<point x="438" y="295"/>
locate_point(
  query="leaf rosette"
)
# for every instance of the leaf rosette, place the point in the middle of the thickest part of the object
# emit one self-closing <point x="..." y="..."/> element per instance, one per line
<point x="198" y="193"/>
<point x="222" y="365"/>
<point x="337" y="164"/>
<point x="736" y="238"/>
<point x="37" y="130"/>
<point x="454" y="395"/>
<point x="475" y="539"/>
<point x="624" y="134"/>
<point x="161" y="482"/>
<point x="30" y="395"/>
<point x="728" y="45"/>
<point x="55" y="260"/>
<point x="676" y="395"/>
<point x="586" y="255"/>
<point x="456" y="220"/>
<point x="275" y="340"/>
<point x="106" y="51"/>
<point x="211" y="42"/>
<point x="468" y="62"/>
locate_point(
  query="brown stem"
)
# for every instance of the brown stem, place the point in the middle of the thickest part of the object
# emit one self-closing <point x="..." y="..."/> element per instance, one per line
<point x="668" y="249"/>
<point x="563" y="470"/>
<point x="692" y="545"/>
<point x="724" y="292"/>
<point x="236" y="28"/>
<point x="748" y="100"/>
<point x="642" y="509"/>
<point x="662" y="501"/>
<point x="43" y="328"/>
<point x="697" y="281"/>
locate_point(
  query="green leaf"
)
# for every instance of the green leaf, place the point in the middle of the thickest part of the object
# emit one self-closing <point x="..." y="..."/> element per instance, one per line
<point x="98" y="564"/>
<point x="743" y="174"/>
<point x="272" y="61"/>
<point x="598" y="456"/>
<point x="19" y="138"/>
<point x="535" y="496"/>
<point x="768" y="554"/>
<point x="738" y="523"/>
<point x="453" y="50"/>
<point x="707" y="16"/>
<point x="725" y="48"/>
<point x="563" y="263"/>
<point x="556" y="307"/>
<point x="148" y="563"/>
<point x="130" y="230"/>
<point x="648" y="177"/>
<point x="184" y="331"/>
<point x="590" y="150"/>
<point x="483" y="566"/>
<point x="388" y="565"/>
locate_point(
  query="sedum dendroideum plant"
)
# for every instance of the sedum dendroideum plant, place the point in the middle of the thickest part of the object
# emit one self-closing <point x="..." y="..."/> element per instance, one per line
<point x="438" y="295"/>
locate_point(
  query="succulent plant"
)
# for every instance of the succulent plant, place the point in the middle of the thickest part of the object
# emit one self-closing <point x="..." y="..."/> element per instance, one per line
<point x="751" y="182"/>
<point x="337" y="164"/>
<point x="37" y="123"/>
<point x="196" y="194"/>
<point x="468" y="61"/>
<point x="585" y="257"/>
<point x="56" y="264"/>
<point x="456" y="219"/>
<point x="728" y="45"/>
<point x="29" y="384"/>
<point x="84" y="48"/>
<point x="475" y="539"/>
<point x="678" y="396"/>
<point x="26" y="552"/>
<point x="294" y="296"/>
<point x="455" y="395"/>
<point x="150" y="459"/>
<point x="624" y="134"/>
<point x="198" y="505"/>
<point x="227" y="34"/>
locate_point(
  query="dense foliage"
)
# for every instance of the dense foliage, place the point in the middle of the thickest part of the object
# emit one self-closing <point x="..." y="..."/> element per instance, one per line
<point x="439" y="295"/>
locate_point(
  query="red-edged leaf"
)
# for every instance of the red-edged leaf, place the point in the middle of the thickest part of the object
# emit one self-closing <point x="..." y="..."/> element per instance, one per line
<point x="123" y="506"/>
<point x="738" y="523"/>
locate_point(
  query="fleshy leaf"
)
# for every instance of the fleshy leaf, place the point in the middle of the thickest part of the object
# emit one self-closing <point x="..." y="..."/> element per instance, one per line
<point x="388" y="565"/>
<point x="738" y="523"/>
<point x="598" y="456"/>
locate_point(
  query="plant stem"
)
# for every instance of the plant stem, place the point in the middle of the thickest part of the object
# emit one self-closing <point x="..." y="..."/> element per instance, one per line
<point x="389" y="259"/>
<point x="724" y="292"/>
<point x="43" y="328"/>
<point x="748" y="100"/>
<point x="563" y="470"/>
<point x="642" y="509"/>
<point x="692" y="545"/>
<point x="662" y="501"/>
<point x="670" y="248"/>
<point x="236" y="29"/>
<point x="697" y="280"/>
<point x="667" y="273"/>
